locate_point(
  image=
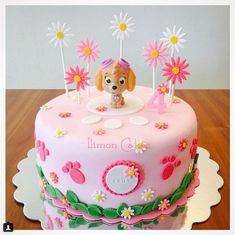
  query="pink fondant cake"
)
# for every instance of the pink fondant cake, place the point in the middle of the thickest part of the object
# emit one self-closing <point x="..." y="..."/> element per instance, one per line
<point x="108" y="168"/>
<point x="117" y="155"/>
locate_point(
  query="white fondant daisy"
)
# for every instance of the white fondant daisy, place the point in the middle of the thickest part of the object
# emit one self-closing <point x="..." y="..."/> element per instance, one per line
<point x="147" y="195"/>
<point x="60" y="132"/>
<point x="173" y="39"/>
<point x="140" y="147"/>
<point x="45" y="107"/>
<point x="59" y="34"/>
<point x="99" y="196"/>
<point x="126" y="226"/>
<point x="132" y="172"/>
<point x="121" y="26"/>
<point x="127" y="213"/>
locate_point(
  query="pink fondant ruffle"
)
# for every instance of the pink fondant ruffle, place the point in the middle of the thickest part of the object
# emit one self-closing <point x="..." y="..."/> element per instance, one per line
<point x="189" y="192"/>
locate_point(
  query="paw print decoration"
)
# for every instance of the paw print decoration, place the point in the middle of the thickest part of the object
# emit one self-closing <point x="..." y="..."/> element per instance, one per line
<point x="170" y="163"/>
<point x="42" y="150"/>
<point x="74" y="171"/>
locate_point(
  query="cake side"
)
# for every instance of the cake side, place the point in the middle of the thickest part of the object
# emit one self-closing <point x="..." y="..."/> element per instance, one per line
<point x="90" y="164"/>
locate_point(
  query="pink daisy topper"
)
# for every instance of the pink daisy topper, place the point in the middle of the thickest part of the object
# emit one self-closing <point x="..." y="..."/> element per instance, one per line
<point x="155" y="53"/>
<point x="78" y="76"/>
<point x="176" y="70"/>
<point x="87" y="50"/>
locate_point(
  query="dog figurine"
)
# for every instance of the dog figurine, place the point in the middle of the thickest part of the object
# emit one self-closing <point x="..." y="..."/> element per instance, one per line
<point x="115" y="77"/>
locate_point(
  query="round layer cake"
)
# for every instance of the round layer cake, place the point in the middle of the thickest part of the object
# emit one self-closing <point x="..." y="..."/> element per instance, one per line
<point x="116" y="166"/>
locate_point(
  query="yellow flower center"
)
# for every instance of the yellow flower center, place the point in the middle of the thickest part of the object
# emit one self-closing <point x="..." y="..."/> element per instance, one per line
<point x="164" y="206"/>
<point x="154" y="54"/>
<point x="87" y="51"/>
<point x="98" y="129"/>
<point x="59" y="35"/>
<point x="174" y="39"/>
<point x="161" y="124"/>
<point x="64" y="201"/>
<point x="131" y="172"/>
<point x="163" y="89"/>
<point x="162" y="217"/>
<point x="127" y="213"/>
<point x="148" y="195"/>
<point x="42" y="183"/>
<point x="184" y="145"/>
<point x="175" y="70"/>
<point x="65" y="214"/>
<point x="59" y="132"/>
<point x="122" y="26"/>
<point x="139" y="146"/>
<point x="52" y="177"/>
<point x="77" y="78"/>
<point x="98" y="197"/>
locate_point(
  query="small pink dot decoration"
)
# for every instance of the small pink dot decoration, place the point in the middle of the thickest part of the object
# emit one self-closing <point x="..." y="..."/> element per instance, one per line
<point x="176" y="70"/>
<point x="77" y="76"/>
<point x="87" y="50"/>
<point x="182" y="145"/>
<point x="74" y="172"/>
<point x="170" y="163"/>
<point x="42" y="150"/>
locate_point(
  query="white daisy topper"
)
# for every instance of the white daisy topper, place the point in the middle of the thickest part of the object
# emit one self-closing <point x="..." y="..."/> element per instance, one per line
<point x="173" y="39"/>
<point x="60" y="36"/>
<point x="121" y="26"/>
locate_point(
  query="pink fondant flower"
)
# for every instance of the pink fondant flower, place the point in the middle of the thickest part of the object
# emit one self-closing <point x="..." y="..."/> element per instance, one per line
<point x="102" y="108"/>
<point x="176" y="70"/>
<point x="154" y="53"/>
<point x="163" y="89"/>
<point x="161" y="125"/>
<point x="193" y="149"/>
<point x="65" y="214"/>
<point x="58" y="222"/>
<point x="87" y="50"/>
<point x="42" y="150"/>
<point x="64" y="114"/>
<point x="182" y="145"/>
<point x="163" y="205"/>
<point x="132" y="172"/>
<point x="64" y="201"/>
<point x="54" y="178"/>
<point x="79" y="76"/>
<point x="99" y="131"/>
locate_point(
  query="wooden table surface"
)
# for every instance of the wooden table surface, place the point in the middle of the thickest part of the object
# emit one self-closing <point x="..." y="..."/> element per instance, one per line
<point x="212" y="110"/>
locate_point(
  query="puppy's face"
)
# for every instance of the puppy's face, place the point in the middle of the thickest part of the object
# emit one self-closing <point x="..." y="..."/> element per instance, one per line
<point x="115" y="79"/>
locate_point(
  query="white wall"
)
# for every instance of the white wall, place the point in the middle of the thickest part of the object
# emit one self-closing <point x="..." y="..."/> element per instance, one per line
<point x="33" y="63"/>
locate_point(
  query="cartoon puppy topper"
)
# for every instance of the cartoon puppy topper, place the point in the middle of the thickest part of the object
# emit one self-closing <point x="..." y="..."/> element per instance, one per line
<point x="115" y="77"/>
